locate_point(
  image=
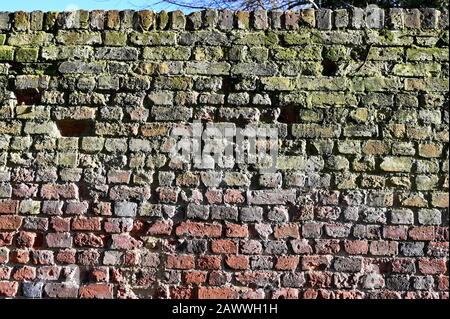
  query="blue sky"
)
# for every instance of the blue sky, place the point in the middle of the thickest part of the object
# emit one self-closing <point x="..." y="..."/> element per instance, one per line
<point x="60" y="5"/>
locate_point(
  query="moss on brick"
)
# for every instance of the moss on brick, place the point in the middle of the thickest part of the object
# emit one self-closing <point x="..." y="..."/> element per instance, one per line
<point x="6" y="53"/>
<point x="27" y="54"/>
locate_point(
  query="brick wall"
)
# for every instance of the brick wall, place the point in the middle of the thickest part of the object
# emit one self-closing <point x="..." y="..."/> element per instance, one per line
<point x="97" y="201"/>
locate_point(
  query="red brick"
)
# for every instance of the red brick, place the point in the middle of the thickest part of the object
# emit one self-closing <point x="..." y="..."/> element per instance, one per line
<point x="88" y="240"/>
<point x="285" y="293"/>
<point x="23" y="174"/>
<point x="254" y="294"/>
<point x="167" y="195"/>
<point x="96" y="291"/>
<point x="88" y="257"/>
<point x="180" y="262"/>
<point x="217" y="293"/>
<point x="8" y="206"/>
<point x="49" y="272"/>
<point x="214" y="196"/>
<point x="6" y="238"/>
<point x="42" y="257"/>
<point x="161" y="227"/>
<point x="4" y="256"/>
<point x="117" y="225"/>
<point x="317" y="294"/>
<point x="119" y="177"/>
<point x="86" y="223"/>
<point x="25" y="239"/>
<point x="99" y="274"/>
<point x="442" y="233"/>
<point x="383" y="248"/>
<point x="286" y="263"/>
<point x="422" y="233"/>
<point x="55" y="191"/>
<point x="8" y="288"/>
<point x="395" y="232"/>
<point x="219" y="278"/>
<point x="343" y="294"/>
<point x="286" y="231"/>
<point x="124" y="241"/>
<point x="77" y="208"/>
<point x="251" y="247"/>
<point x="301" y="246"/>
<point x="138" y="227"/>
<point x="443" y="283"/>
<point x="256" y="278"/>
<point x="233" y="196"/>
<point x="10" y="222"/>
<point x="316" y="262"/>
<point x="68" y="191"/>
<point x="356" y="247"/>
<point x="19" y="256"/>
<point x="130" y="258"/>
<point x="25" y="190"/>
<point x="67" y="256"/>
<point x="195" y="277"/>
<point x="59" y="224"/>
<point x="403" y="265"/>
<point x="432" y="266"/>
<point x="317" y="279"/>
<point x="237" y="262"/>
<point x="5" y="272"/>
<point x="58" y="240"/>
<point x="236" y="231"/>
<point x="199" y="229"/>
<point x="103" y="209"/>
<point x="61" y="290"/>
<point x="327" y="246"/>
<point x="24" y="273"/>
<point x="181" y="293"/>
<point x="209" y="262"/>
<point x="224" y="246"/>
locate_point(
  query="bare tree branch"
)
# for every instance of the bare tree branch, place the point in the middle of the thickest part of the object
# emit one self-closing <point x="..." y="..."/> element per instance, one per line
<point x="291" y="4"/>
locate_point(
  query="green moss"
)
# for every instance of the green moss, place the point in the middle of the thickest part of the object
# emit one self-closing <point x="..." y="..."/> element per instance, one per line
<point x="278" y="84"/>
<point x="30" y="39"/>
<point x="243" y="19"/>
<point x="163" y="20"/>
<point x="6" y="53"/>
<point x="257" y="39"/>
<point x="336" y="53"/>
<point x="288" y="54"/>
<point x="259" y="54"/>
<point x="27" y="54"/>
<point x="77" y="38"/>
<point x="310" y="52"/>
<point x="167" y="53"/>
<point x="21" y="21"/>
<point x="115" y="38"/>
<point x="388" y="35"/>
<point x="49" y="20"/>
<point x="146" y="19"/>
<point x="181" y="83"/>
<point x="300" y="37"/>
<point x="408" y="69"/>
<point x="2" y="39"/>
<point x="315" y="99"/>
<point x="84" y="18"/>
<point x="271" y="39"/>
<point x="153" y="38"/>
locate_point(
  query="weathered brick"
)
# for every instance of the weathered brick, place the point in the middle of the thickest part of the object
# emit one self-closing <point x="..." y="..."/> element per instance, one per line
<point x="104" y="194"/>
